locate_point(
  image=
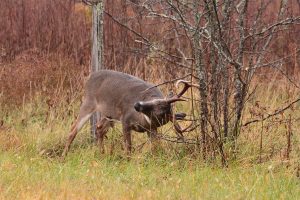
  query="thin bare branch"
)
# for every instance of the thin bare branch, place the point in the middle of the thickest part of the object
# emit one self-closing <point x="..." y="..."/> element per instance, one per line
<point x="278" y="111"/>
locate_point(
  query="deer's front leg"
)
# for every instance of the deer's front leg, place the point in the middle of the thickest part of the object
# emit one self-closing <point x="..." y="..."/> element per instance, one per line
<point x="152" y="134"/>
<point x="127" y="139"/>
<point x="154" y="140"/>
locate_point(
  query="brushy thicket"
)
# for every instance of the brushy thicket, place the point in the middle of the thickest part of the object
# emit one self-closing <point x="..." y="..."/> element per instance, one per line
<point x="44" y="59"/>
<point x="41" y="128"/>
<point x="41" y="36"/>
<point x="45" y="47"/>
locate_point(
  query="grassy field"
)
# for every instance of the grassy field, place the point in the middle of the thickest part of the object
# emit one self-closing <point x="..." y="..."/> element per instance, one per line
<point x="25" y="175"/>
<point x="32" y="137"/>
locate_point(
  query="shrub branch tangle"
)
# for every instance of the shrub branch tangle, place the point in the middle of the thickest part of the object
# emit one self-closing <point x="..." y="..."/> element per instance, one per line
<point x="237" y="38"/>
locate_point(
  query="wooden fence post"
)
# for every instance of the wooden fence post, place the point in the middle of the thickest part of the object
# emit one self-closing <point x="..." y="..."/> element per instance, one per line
<point x="97" y="50"/>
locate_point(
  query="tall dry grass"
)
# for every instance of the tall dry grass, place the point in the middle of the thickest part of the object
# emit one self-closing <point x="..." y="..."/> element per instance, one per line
<point x="46" y="27"/>
<point x="32" y="138"/>
<point x="46" y="119"/>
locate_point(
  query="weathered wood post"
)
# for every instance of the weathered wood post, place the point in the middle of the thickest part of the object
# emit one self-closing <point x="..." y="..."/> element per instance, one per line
<point x="97" y="49"/>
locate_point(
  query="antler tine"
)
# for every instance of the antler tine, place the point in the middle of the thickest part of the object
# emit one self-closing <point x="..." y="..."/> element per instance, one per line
<point x="187" y="85"/>
<point x="180" y="131"/>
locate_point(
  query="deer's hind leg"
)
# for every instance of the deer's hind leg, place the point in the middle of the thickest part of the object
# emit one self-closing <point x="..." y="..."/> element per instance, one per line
<point x="86" y="110"/>
<point x="102" y="128"/>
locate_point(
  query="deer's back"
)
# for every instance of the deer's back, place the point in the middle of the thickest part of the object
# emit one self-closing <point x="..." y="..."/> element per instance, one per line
<point x="115" y="92"/>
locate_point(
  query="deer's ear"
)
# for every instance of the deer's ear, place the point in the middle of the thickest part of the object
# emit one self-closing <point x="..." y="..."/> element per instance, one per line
<point x="142" y="106"/>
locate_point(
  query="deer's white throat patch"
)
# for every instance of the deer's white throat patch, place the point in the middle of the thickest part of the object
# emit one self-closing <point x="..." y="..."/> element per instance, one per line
<point x="147" y="119"/>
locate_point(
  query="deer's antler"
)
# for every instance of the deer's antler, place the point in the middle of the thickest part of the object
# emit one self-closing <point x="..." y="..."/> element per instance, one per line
<point x="174" y="118"/>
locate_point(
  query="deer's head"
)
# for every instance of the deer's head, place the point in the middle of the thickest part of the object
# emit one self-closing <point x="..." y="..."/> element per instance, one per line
<point x="159" y="111"/>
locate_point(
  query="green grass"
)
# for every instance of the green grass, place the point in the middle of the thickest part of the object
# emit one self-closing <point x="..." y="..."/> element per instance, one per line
<point x="25" y="175"/>
<point x="33" y="137"/>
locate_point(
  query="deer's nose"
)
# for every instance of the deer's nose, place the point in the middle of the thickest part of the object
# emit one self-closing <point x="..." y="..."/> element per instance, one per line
<point x="137" y="106"/>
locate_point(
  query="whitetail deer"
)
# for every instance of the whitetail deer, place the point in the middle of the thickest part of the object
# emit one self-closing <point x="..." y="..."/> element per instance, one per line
<point x="138" y="105"/>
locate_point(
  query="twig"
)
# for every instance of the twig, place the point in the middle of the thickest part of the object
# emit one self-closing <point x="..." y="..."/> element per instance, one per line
<point x="177" y="140"/>
<point x="166" y="82"/>
<point x="147" y="42"/>
<point x="128" y="28"/>
<point x="287" y="77"/>
<point x="91" y="2"/>
<point x="273" y="114"/>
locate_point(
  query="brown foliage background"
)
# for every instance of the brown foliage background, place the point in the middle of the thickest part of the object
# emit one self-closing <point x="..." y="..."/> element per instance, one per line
<point x="45" y="45"/>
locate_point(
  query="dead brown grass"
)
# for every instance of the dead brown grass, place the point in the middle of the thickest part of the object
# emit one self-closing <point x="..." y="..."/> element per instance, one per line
<point x="31" y="72"/>
<point x="9" y="140"/>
